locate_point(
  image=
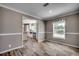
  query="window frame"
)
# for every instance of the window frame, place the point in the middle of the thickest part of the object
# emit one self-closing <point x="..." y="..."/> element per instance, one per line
<point x="55" y="33"/>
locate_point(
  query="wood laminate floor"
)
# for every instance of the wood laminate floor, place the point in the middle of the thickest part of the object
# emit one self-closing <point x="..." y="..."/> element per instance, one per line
<point x="33" y="48"/>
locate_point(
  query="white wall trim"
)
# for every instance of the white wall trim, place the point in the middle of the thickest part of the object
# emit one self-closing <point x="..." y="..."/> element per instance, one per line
<point x="72" y="33"/>
<point x="65" y="44"/>
<point x="10" y="8"/>
<point x="7" y="34"/>
<point x="11" y="49"/>
<point x="65" y="33"/>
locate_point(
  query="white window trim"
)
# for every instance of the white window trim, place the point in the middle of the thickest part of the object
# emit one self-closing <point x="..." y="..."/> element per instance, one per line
<point x="59" y="36"/>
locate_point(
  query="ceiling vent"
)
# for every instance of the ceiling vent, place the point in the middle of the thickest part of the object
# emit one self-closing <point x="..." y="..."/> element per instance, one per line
<point x="46" y="4"/>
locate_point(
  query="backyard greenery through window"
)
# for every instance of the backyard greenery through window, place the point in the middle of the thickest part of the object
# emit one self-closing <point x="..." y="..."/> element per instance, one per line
<point x="59" y="29"/>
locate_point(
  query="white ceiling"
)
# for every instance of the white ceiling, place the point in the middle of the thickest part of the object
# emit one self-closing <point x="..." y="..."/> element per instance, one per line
<point x="41" y="12"/>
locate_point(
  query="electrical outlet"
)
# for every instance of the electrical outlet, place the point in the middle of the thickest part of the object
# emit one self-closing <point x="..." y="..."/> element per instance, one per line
<point x="10" y="45"/>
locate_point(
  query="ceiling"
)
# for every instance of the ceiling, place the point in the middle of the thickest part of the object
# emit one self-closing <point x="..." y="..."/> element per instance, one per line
<point x="39" y="11"/>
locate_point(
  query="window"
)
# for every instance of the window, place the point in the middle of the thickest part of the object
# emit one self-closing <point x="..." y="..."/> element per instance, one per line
<point x="59" y="29"/>
<point x="30" y="25"/>
<point x="33" y="27"/>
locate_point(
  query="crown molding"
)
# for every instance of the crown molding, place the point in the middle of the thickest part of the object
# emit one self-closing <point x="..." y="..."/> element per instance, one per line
<point x="10" y="8"/>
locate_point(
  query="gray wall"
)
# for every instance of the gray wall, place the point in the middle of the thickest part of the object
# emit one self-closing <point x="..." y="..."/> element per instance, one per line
<point x="72" y="26"/>
<point x="10" y="22"/>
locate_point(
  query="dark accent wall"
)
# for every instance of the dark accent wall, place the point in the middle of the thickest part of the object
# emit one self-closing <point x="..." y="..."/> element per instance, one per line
<point x="10" y="22"/>
<point x="72" y="26"/>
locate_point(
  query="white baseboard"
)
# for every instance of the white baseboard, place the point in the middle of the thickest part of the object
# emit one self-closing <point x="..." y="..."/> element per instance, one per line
<point x="11" y="49"/>
<point x="41" y="40"/>
<point x="65" y="44"/>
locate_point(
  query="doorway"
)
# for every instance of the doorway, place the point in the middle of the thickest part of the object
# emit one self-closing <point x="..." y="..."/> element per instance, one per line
<point x="29" y="29"/>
